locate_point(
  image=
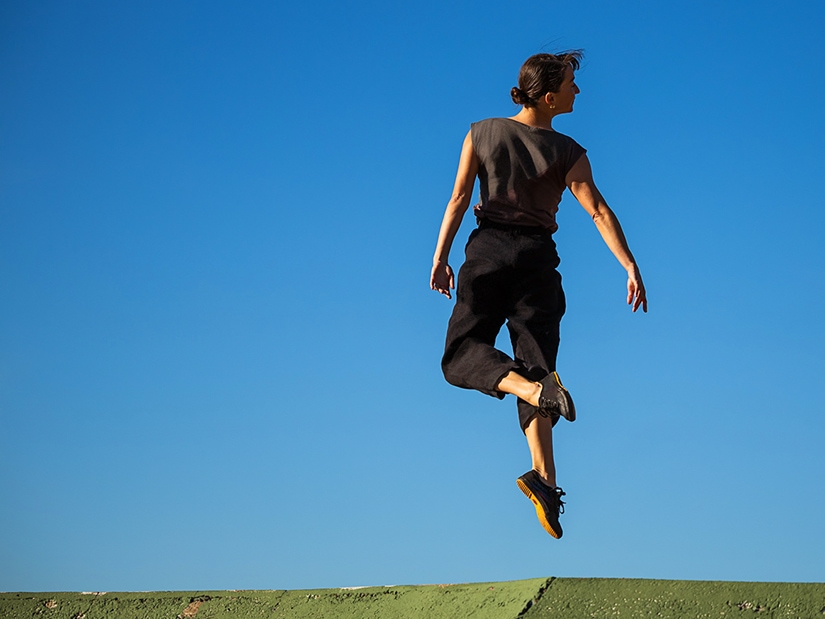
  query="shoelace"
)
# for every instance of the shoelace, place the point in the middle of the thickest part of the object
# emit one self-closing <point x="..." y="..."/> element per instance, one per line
<point x="559" y="494"/>
<point x="549" y="407"/>
<point x="556" y="493"/>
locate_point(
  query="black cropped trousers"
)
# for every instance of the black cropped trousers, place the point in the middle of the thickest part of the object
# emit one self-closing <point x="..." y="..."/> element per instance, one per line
<point x="509" y="276"/>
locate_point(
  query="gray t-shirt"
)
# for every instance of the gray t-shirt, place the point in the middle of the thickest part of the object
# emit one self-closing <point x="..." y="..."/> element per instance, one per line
<point x="521" y="171"/>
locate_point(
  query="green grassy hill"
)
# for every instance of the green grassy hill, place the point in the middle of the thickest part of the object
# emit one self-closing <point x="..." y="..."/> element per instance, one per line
<point x="568" y="598"/>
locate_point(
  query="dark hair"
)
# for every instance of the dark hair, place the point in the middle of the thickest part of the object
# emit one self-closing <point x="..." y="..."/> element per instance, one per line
<point x="543" y="73"/>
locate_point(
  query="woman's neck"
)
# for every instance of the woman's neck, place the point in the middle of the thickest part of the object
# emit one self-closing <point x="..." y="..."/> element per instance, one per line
<point x="541" y="117"/>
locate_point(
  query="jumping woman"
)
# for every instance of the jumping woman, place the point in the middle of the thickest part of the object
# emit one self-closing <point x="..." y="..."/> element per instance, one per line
<point x="509" y="274"/>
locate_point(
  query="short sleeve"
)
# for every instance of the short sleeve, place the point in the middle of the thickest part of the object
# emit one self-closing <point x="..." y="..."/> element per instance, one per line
<point x="574" y="153"/>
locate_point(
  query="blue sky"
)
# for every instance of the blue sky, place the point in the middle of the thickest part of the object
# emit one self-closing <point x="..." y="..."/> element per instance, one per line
<point x="219" y="356"/>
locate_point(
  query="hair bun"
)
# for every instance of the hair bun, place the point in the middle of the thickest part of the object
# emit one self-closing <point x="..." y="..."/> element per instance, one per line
<point x="518" y="96"/>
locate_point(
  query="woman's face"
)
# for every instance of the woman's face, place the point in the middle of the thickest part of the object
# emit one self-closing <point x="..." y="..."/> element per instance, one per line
<point x="563" y="99"/>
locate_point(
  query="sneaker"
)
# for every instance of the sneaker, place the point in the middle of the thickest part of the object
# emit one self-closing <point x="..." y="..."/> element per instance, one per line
<point x="555" y="399"/>
<point x="546" y="499"/>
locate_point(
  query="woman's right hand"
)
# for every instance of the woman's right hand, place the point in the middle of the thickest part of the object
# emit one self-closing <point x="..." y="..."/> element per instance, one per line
<point x="442" y="278"/>
<point x="636" y="293"/>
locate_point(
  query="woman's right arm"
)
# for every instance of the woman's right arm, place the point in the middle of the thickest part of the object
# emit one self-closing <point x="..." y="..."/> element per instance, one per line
<point x="580" y="181"/>
<point x="442" y="278"/>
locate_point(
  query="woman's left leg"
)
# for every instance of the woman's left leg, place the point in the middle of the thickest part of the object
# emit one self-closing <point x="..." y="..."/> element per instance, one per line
<point x="517" y="385"/>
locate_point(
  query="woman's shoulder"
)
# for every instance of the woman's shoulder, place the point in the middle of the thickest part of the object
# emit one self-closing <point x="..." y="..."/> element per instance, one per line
<point x="484" y="122"/>
<point x="500" y="124"/>
<point x="495" y="120"/>
<point x="566" y="138"/>
<point x="497" y="127"/>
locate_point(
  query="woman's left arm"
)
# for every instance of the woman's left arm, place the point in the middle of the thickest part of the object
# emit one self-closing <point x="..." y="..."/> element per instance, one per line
<point x="580" y="181"/>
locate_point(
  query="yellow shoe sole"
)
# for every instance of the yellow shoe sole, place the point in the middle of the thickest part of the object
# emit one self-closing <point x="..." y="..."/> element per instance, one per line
<point x="539" y="510"/>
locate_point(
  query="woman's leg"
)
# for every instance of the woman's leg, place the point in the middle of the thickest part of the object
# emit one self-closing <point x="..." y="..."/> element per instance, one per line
<point x="471" y="360"/>
<point x="539" y="431"/>
<point x="539" y="435"/>
<point x="515" y="384"/>
<point x="538" y="305"/>
<point x="539" y="484"/>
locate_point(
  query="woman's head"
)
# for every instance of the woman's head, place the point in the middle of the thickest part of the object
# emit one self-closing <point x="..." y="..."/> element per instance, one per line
<point x="543" y="73"/>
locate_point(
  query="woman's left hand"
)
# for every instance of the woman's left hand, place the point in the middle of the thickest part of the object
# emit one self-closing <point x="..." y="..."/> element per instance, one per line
<point x="442" y="278"/>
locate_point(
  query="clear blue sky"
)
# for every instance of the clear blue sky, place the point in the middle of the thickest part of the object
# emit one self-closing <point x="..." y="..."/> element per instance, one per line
<point x="219" y="356"/>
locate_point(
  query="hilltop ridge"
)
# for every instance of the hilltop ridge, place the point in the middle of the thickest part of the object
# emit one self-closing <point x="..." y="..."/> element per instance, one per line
<point x="539" y="598"/>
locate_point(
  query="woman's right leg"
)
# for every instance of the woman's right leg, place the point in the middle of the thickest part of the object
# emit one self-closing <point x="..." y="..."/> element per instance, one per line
<point x="539" y="433"/>
<point x="538" y="306"/>
<point x="539" y="430"/>
<point x="539" y="483"/>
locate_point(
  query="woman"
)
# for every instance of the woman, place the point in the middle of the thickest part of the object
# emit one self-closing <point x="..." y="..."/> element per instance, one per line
<point x="509" y="274"/>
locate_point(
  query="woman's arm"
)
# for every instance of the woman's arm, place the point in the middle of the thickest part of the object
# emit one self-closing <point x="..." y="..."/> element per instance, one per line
<point x="441" y="277"/>
<point x="580" y="181"/>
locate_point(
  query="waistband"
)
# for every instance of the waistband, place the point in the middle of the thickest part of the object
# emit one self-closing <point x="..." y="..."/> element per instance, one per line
<point x="494" y="225"/>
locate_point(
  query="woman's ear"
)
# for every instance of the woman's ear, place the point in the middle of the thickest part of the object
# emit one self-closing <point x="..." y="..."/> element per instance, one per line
<point x="550" y="100"/>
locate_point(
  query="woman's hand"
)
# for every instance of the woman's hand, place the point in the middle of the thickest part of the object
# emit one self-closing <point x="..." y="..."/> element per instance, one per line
<point x="442" y="278"/>
<point x="636" y="294"/>
<point x="580" y="181"/>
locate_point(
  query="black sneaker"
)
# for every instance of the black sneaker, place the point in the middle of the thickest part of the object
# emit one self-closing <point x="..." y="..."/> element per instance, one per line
<point x="546" y="499"/>
<point x="555" y="399"/>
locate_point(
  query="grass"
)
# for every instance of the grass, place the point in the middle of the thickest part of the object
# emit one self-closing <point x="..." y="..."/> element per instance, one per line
<point x="542" y="598"/>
